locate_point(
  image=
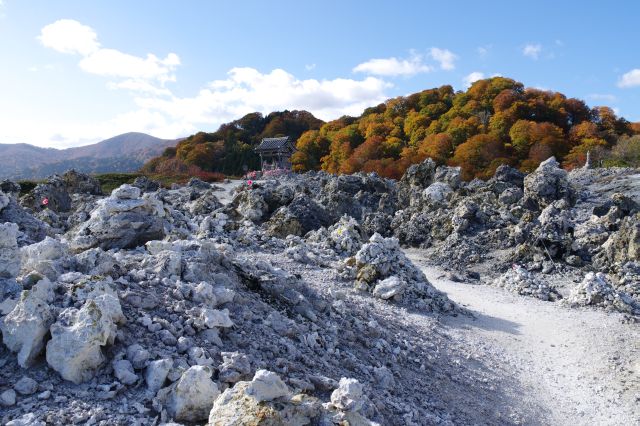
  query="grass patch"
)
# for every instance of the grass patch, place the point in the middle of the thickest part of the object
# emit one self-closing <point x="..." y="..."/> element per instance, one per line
<point x="110" y="181"/>
<point x="27" y="186"/>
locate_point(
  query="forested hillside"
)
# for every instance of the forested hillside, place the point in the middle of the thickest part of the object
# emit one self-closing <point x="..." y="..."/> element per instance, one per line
<point x="496" y="121"/>
<point x="231" y="147"/>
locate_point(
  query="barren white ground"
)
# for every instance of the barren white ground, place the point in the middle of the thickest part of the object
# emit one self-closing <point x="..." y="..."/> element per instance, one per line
<point x="580" y="366"/>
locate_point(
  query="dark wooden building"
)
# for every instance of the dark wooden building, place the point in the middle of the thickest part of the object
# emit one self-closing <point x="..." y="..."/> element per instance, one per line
<point x="275" y="153"/>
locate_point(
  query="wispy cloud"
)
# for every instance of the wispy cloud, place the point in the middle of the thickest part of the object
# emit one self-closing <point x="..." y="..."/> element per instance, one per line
<point x="132" y="72"/>
<point x="445" y="57"/>
<point x="532" y="51"/>
<point x="392" y="67"/>
<point x="630" y="79"/>
<point x="310" y="67"/>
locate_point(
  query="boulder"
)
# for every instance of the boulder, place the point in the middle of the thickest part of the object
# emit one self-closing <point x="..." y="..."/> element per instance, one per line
<point x="192" y="397"/>
<point x="145" y="184"/>
<point x="156" y="373"/>
<point x="267" y="386"/>
<point x="25" y="327"/>
<point x="123" y="220"/>
<point x="9" y="251"/>
<point x="547" y="184"/>
<point x="80" y="183"/>
<point x="77" y="338"/>
<point x="44" y="257"/>
<point x="348" y="396"/>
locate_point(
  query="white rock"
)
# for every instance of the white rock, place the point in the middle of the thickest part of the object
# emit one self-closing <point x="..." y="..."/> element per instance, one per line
<point x="437" y="191"/>
<point x="24" y="328"/>
<point x="192" y="397"/>
<point x="126" y="192"/>
<point x="267" y="386"/>
<point x="43" y="257"/>
<point x="123" y="371"/>
<point x="156" y="373"/>
<point x="348" y="396"/>
<point x="389" y="287"/>
<point x="9" y="251"/>
<point x="203" y="292"/>
<point x="210" y="318"/>
<point x="76" y="340"/>
<point x="29" y="419"/>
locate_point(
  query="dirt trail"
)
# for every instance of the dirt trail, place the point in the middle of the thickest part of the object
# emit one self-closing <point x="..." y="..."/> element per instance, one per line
<point x="582" y="366"/>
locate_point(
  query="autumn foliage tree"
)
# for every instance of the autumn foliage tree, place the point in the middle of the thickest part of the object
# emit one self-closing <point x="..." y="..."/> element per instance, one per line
<point x="495" y="121"/>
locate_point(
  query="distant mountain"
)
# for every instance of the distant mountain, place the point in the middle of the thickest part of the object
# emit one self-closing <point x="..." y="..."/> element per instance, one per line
<point x="123" y="153"/>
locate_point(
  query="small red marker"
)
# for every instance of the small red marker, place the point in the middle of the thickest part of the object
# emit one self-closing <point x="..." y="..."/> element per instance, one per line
<point x="45" y="201"/>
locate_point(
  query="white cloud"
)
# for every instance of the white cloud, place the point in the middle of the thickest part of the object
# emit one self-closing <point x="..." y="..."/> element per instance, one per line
<point x="445" y="57"/>
<point x="474" y="76"/>
<point x="310" y="67"/>
<point x="145" y="74"/>
<point x="630" y="79"/>
<point x="69" y="36"/>
<point x="112" y="63"/>
<point x="532" y="50"/>
<point x="246" y="90"/>
<point x="393" y="66"/>
<point x="602" y="97"/>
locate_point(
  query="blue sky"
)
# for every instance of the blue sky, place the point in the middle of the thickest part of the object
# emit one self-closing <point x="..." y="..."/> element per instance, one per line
<point x="75" y="72"/>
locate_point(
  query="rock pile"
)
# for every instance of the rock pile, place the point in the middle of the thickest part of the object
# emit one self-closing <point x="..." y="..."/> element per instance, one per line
<point x="382" y="268"/>
<point x="156" y="305"/>
<point x="596" y="290"/>
<point x="520" y="281"/>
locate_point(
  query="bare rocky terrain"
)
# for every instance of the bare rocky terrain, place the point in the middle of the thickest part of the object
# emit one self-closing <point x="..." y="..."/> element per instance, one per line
<point x="324" y="300"/>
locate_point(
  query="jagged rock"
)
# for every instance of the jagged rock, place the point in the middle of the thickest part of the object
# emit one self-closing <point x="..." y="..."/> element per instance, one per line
<point x="520" y="281"/>
<point x="449" y="175"/>
<point x="9" y="251"/>
<point x="145" y="184"/>
<point x="123" y="370"/>
<point x="77" y="337"/>
<point x="267" y="386"/>
<point x="193" y="395"/>
<point x="44" y="257"/>
<point x="437" y="192"/>
<point x="389" y="287"/>
<point x="31" y="229"/>
<point x="348" y="396"/>
<point x="9" y="187"/>
<point x="156" y="373"/>
<point x="80" y="183"/>
<point x="25" y="327"/>
<point x="421" y="174"/>
<point x="138" y="356"/>
<point x="623" y="245"/>
<point x="29" y="419"/>
<point x="548" y="183"/>
<point x="235" y="366"/>
<point x="122" y="220"/>
<point x="54" y="190"/>
<point x="302" y="215"/>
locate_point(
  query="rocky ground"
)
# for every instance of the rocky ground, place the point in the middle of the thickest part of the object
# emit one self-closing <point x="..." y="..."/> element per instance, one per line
<point x="296" y="301"/>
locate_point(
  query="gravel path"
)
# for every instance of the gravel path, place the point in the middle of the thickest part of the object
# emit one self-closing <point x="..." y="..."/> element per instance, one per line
<point x="582" y="367"/>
